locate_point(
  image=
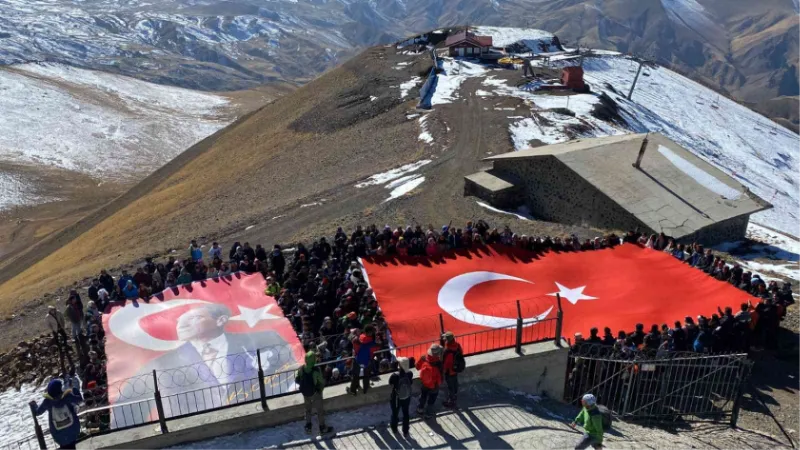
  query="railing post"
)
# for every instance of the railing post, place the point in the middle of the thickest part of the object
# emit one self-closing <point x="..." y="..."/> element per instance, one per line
<point x="519" y="329"/>
<point x="37" y="428"/>
<point x="441" y="324"/>
<point x="159" y="406"/>
<point x="261" y="387"/>
<point x="559" y="319"/>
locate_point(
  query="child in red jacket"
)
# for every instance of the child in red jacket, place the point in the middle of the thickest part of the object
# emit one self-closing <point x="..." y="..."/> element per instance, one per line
<point x="430" y="374"/>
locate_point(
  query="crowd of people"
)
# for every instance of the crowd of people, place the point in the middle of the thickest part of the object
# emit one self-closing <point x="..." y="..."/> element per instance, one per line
<point x="725" y="330"/>
<point x="324" y="294"/>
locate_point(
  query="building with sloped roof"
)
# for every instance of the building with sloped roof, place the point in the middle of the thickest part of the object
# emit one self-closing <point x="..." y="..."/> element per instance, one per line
<point x="465" y="43"/>
<point x="621" y="183"/>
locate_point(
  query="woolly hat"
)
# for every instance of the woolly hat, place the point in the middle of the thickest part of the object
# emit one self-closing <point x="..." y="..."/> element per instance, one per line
<point x="403" y="363"/>
<point x="449" y="336"/>
<point x="55" y="388"/>
<point x="435" y="350"/>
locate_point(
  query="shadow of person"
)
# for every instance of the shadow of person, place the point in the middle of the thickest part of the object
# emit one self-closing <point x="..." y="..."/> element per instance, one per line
<point x="449" y="439"/>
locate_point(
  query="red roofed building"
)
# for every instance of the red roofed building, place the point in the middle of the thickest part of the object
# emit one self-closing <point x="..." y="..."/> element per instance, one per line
<point x="466" y="43"/>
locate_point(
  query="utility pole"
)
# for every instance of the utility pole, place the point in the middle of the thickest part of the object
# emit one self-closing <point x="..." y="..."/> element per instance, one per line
<point x="636" y="78"/>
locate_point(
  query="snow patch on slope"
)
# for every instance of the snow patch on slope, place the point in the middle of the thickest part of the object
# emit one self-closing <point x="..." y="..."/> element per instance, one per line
<point x="455" y="73"/>
<point x="403" y="186"/>
<point x="408" y="85"/>
<point x="393" y="174"/>
<point x="98" y="123"/>
<point x="15" y="191"/>
<point x="522" y="212"/>
<point x="699" y="175"/>
<point x="424" y="135"/>
<point x="503" y="36"/>
<point x="16" y="422"/>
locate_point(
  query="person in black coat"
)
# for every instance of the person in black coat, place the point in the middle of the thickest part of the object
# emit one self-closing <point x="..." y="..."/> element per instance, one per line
<point x="400" y="398"/>
<point x="277" y="262"/>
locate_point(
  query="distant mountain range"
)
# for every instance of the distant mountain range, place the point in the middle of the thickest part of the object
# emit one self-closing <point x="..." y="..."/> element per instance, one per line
<point x="745" y="49"/>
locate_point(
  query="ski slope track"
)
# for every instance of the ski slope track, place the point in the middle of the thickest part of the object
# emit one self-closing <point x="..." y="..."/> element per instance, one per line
<point x="751" y="148"/>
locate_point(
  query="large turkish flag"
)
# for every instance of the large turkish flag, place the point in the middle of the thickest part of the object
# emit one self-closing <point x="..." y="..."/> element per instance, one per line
<point x="477" y="290"/>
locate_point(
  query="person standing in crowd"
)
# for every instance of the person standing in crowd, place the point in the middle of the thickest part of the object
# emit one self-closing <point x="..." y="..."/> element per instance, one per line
<point x="453" y="364"/>
<point x="309" y="380"/>
<point x="430" y="374"/>
<point x="195" y="252"/>
<point x="364" y="349"/>
<point x="591" y="420"/>
<point x="130" y="292"/>
<point x="215" y="251"/>
<point x="62" y="408"/>
<point x="55" y="322"/>
<point x="75" y="315"/>
<point x="400" y="398"/>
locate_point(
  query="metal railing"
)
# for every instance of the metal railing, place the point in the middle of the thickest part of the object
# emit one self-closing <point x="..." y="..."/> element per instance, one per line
<point x="659" y="386"/>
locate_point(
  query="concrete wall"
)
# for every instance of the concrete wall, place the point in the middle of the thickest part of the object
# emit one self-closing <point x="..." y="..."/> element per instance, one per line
<point x="506" y="198"/>
<point x="539" y="369"/>
<point x="555" y="193"/>
<point x="729" y="230"/>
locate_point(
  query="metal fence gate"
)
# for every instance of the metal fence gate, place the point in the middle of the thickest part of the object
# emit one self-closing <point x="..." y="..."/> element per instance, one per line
<point x="659" y="387"/>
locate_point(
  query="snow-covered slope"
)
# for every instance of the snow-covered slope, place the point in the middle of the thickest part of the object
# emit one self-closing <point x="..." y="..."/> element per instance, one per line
<point x="99" y="123"/>
<point x="760" y="154"/>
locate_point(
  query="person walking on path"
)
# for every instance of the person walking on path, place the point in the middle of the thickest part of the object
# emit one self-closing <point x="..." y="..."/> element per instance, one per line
<point x="62" y="408"/>
<point x="591" y="419"/>
<point x="430" y="374"/>
<point x="309" y="379"/>
<point x="400" y="398"/>
<point x="453" y="363"/>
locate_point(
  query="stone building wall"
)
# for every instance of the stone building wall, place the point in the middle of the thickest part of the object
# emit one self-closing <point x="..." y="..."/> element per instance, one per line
<point x="730" y="230"/>
<point x="555" y="193"/>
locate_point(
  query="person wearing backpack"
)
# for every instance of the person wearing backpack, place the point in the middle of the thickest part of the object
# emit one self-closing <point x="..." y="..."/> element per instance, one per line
<point x="400" y="398"/>
<point x="309" y="380"/>
<point x="453" y="363"/>
<point x="62" y="408"/>
<point x="591" y="419"/>
<point x="430" y="374"/>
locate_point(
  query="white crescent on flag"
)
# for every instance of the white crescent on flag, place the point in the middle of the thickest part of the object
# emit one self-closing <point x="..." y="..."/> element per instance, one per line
<point x="451" y="300"/>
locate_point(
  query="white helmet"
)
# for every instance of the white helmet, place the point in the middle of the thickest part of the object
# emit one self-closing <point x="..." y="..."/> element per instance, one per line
<point x="589" y="399"/>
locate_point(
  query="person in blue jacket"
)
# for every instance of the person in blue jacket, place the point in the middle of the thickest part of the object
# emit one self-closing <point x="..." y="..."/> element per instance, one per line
<point x="62" y="408"/>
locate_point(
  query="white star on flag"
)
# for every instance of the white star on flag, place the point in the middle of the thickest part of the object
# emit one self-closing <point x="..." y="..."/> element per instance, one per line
<point x="253" y="316"/>
<point x="573" y="295"/>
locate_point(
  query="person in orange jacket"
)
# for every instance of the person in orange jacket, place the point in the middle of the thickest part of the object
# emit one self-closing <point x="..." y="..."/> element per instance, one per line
<point x="430" y="374"/>
<point x="453" y="363"/>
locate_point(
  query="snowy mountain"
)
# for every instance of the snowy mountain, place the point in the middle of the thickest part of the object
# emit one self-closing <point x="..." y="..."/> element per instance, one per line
<point x="109" y="127"/>
<point x="748" y="49"/>
<point x="208" y="45"/>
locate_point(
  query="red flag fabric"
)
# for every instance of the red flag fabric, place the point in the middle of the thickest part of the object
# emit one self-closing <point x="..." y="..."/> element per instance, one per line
<point x="198" y="336"/>
<point x="477" y="290"/>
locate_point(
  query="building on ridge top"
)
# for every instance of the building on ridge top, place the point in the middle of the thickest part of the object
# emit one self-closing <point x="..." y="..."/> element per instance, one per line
<point x="621" y="183"/>
<point x="467" y="43"/>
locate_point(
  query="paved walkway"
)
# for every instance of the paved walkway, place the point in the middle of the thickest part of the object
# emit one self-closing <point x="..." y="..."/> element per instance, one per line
<point x="492" y="417"/>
